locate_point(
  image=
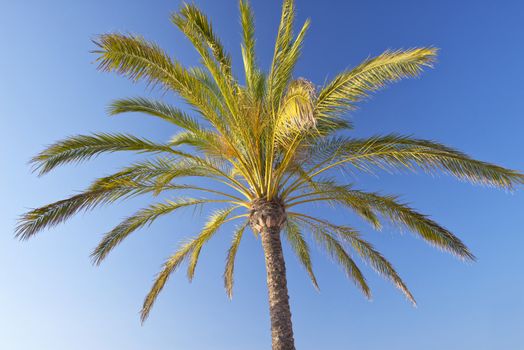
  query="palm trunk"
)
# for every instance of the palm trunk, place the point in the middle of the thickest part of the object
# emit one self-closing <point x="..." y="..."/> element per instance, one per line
<point x="280" y="313"/>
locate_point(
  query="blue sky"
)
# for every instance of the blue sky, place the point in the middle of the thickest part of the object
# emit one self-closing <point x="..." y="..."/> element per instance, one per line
<point x="51" y="296"/>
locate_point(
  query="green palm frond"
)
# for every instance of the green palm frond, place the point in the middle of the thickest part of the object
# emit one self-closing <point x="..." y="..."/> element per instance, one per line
<point x="169" y="267"/>
<point x="420" y="224"/>
<point x="248" y="46"/>
<point x="194" y="24"/>
<point x="155" y="108"/>
<point x="83" y="147"/>
<point x="393" y="152"/>
<point x="105" y="190"/>
<point x="380" y="264"/>
<point x="300" y="247"/>
<point x="363" y="248"/>
<point x="371" y="205"/>
<point x="139" y="59"/>
<point x="230" y="260"/>
<point x="136" y="58"/>
<point x="188" y="250"/>
<point x="337" y="252"/>
<point x="198" y="25"/>
<point x="330" y="191"/>
<point x="217" y="219"/>
<point x="276" y="80"/>
<point x="140" y="219"/>
<point x="354" y="85"/>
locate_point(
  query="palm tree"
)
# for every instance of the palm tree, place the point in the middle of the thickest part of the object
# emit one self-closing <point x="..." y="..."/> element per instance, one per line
<point x="272" y="143"/>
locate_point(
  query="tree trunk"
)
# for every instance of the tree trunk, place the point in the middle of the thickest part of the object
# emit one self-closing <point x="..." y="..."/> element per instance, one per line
<point x="268" y="218"/>
<point x="281" y="326"/>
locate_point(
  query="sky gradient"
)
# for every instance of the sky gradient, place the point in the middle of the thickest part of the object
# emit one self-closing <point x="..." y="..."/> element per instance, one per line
<point x="51" y="297"/>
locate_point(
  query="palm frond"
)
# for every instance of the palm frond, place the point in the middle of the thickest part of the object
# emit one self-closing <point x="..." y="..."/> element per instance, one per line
<point x="230" y="260"/>
<point x="83" y="147"/>
<point x="393" y="152"/>
<point x="217" y="219"/>
<point x="371" y="205"/>
<point x="140" y="219"/>
<point x="336" y="250"/>
<point x="286" y="54"/>
<point x="420" y="224"/>
<point x="55" y="213"/>
<point x="196" y="27"/>
<point x="300" y="247"/>
<point x="248" y="46"/>
<point x="138" y="59"/>
<point x="282" y="43"/>
<point x="157" y="109"/>
<point x="363" y="248"/>
<point x="169" y="267"/>
<point x="202" y="29"/>
<point x="354" y="85"/>
<point x="330" y="191"/>
<point x="379" y="263"/>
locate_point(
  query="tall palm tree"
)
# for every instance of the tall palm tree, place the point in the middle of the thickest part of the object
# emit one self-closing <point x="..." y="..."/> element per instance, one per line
<point x="273" y="142"/>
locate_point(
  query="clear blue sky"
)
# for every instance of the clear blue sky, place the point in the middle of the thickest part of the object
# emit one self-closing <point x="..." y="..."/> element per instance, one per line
<point x="51" y="297"/>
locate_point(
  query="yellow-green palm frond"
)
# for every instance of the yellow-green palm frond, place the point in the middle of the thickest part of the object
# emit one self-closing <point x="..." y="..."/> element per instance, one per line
<point x="420" y="224"/>
<point x="352" y="86"/>
<point x="55" y="213"/>
<point x="286" y="54"/>
<point x="215" y="221"/>
<point x="377" y="261"/>
<point x="392" y="152"/>
<point x="371" y="206"/>
<point x="211" y="144"/>
<point x="363" y="248"/>
<point x="194" y="24"/>
<point x="230" y="259"/>
<point x="248" y="45"/>
<point x="198" y="28"/>
<point x="330" y="191"/>
<point x="83" y="147"/>
<point x="139" y="59"/>
<point x="300" y="247"/>
<point x="157" y="109"/>
<point x="335" y="249"/>
<point x="169" y="267"/>
<point x="140" y="219"/>
<point x="282" y="44"/>
<point x="188" y="250"/>
<point x="131" y="181"/>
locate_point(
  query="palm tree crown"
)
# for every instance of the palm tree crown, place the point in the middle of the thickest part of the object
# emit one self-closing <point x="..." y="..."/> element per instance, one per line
<point x="273" y="141"/>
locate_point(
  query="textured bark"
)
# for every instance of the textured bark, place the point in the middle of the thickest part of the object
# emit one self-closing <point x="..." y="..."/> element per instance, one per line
<point x="268" y="219"/>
